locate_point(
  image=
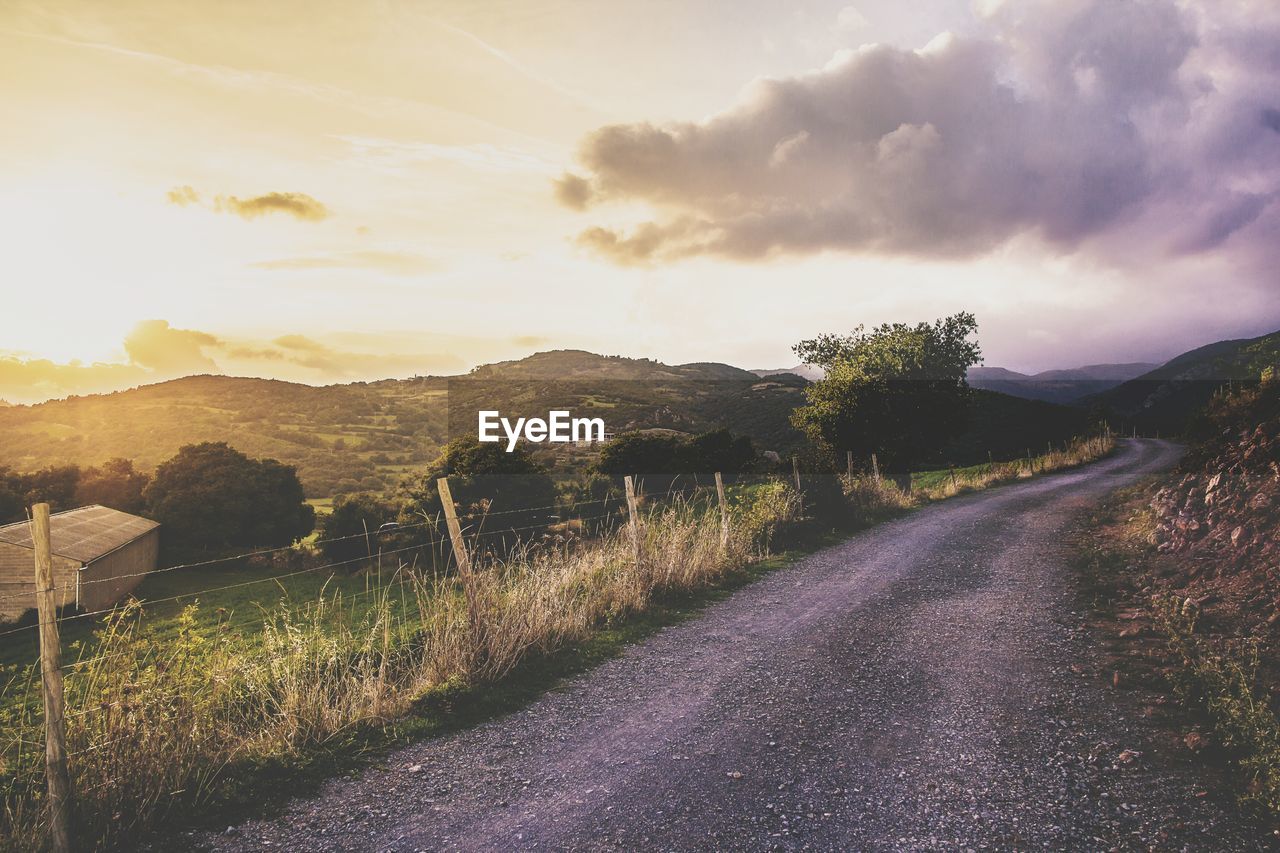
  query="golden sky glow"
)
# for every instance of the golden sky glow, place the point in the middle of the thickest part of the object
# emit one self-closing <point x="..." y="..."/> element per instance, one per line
<point x="333" y="191"/>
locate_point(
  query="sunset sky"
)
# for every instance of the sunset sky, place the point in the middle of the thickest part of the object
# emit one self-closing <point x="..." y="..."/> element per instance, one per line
<point x="333" y="191"/>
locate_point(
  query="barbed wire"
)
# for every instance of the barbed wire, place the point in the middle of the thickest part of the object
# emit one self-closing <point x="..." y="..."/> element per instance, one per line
<point x="434" y="524"/>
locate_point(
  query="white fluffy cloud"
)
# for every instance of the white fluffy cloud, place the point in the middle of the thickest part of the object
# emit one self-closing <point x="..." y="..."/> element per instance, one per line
<point x="1142" y="129"/>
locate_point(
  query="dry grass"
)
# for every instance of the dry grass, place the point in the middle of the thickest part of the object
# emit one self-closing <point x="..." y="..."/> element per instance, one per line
<point x="155" y="722"/>
<point x="1076" y="453"/>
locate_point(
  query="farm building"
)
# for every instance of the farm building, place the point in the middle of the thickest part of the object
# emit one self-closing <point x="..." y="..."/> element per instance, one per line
<point x="99" y="555"/>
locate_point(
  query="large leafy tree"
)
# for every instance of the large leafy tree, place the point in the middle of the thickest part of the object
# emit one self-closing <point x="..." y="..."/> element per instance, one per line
<point x="897" y="390"/>
<point x="114" y="483"/>
<point x="211" y="495"/>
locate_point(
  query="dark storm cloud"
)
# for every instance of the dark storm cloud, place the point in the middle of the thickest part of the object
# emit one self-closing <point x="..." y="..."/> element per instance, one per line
<point x="1077" y="122"/>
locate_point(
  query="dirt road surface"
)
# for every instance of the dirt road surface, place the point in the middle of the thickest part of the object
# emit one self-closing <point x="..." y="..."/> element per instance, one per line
<point x="908" y="689"/>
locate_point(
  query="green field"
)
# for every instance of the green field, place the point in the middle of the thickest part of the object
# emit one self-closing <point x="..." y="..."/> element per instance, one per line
<point x="233" y="599"/>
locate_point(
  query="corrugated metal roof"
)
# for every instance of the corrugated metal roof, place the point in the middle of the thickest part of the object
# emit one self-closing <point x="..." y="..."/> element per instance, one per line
<point x="83" y="534"/>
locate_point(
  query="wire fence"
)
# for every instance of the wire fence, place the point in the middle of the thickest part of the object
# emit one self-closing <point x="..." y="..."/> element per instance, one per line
<point x="102" y="714"/>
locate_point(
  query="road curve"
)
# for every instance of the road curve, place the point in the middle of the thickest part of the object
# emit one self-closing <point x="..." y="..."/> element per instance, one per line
<point x="907" y="689"/>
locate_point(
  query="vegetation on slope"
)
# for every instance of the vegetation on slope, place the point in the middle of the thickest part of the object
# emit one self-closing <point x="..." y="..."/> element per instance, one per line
<point x="1169" y="398"/>
<point x="1198" y="555"/>
<point x="186" y="706"/>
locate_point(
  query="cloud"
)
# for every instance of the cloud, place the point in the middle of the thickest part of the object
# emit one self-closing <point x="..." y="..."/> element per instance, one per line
<point x="155" y="345"/>
<point x="394" y="262"/>
<point x="334" y="363"/>
<point x="29" y="380"/>
<point x="1134" y="130"/>
<point x="183" y="196"/>
<point x="639" y="248"/>
<point x="850" y="19"/>
<point x="573" y="191"/>
<point x="298" y="205"/>
<point x="156" y="351"/>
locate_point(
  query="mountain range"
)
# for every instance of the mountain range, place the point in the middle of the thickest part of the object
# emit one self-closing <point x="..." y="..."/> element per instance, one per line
<point x="1167" y="398"/>
<point x="369" y="435"/>
<point x="1057" y="386"/>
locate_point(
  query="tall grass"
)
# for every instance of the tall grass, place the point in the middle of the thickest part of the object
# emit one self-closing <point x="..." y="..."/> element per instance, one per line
<point x="1220" y="679"/>
<point x="154" y="724"/>
<point x="1077" y="452"/>
<point x="165" y="721"/>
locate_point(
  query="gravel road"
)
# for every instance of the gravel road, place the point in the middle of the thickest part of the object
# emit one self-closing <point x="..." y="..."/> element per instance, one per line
<point x="908" y="689"/>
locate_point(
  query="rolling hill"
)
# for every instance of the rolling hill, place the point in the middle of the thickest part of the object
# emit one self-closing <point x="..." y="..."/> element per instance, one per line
<point x="1167" y="397"/>
<point x="1056" y="386"/>
<point x="368" y="436"/>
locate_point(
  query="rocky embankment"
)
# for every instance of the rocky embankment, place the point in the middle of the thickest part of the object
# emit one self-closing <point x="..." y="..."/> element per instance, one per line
<point x="1221" y="516"/>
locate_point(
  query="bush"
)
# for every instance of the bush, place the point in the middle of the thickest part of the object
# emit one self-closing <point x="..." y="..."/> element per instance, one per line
<point x="213" y="496"/>
<point x="350" y="531"/>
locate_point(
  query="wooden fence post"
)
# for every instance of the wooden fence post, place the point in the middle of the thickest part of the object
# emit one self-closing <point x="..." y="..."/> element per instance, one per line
<point x="724" y="512"/>
<point x="848" y="463"/>
<point x="954" y="483"/>
<point x="795" y="470"/>
<point x="633" y="515"/>
<point x="55" y="726"/>
<point x="460" y="554"/>
<point x="1031" y="465"/>
<point x="875" y="468"/>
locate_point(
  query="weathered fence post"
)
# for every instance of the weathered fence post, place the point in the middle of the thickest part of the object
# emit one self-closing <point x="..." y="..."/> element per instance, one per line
<point x="795" y="470"/>
<point x="633" y="515"/>
<point x="724" y="512"/>
<point x="848" y="463"/>
<point x="954" y="483"/>
<point x="460" y="554"/>
<point x="1031" y="465"/>
<point x="55" y="726"/>
<point x="875" y="468"/>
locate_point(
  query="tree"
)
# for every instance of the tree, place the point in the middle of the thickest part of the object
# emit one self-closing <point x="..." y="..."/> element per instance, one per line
<point x="641" y="453"/>
<point x="484" y="479"/>
<point x="718" y="450"/>
<point x="350" y="531"/>
<point x="12" y="500"/>
<point x="211" y="495"/>
<point x="669" y="453"/>
<point x="55" y="486"/>
<point x="114" y="483"/>
<point x="898" y="391"/>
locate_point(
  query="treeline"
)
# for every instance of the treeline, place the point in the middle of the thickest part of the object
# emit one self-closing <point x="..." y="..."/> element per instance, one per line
<point x="207" y="496"/>
<point x="508" y="498"/>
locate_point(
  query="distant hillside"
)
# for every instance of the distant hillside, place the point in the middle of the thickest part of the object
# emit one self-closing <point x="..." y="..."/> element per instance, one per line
<point x="340" y="437"/>
<point x="807" y="371"/>
<point x="1167" y="397"/>
<point x="1007" y="427"/>
<point x="368" y="436"/>
<point x="570" y="364"/>
<point x="1056" y="386"/>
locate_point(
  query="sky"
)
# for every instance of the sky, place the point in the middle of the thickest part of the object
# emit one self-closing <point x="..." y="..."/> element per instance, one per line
<point x="337" y="191"/>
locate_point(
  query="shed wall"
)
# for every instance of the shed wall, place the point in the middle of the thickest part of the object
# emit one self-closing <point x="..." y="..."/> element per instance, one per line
<point x="111" y="577"/>
<point x="18" y="581"/>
